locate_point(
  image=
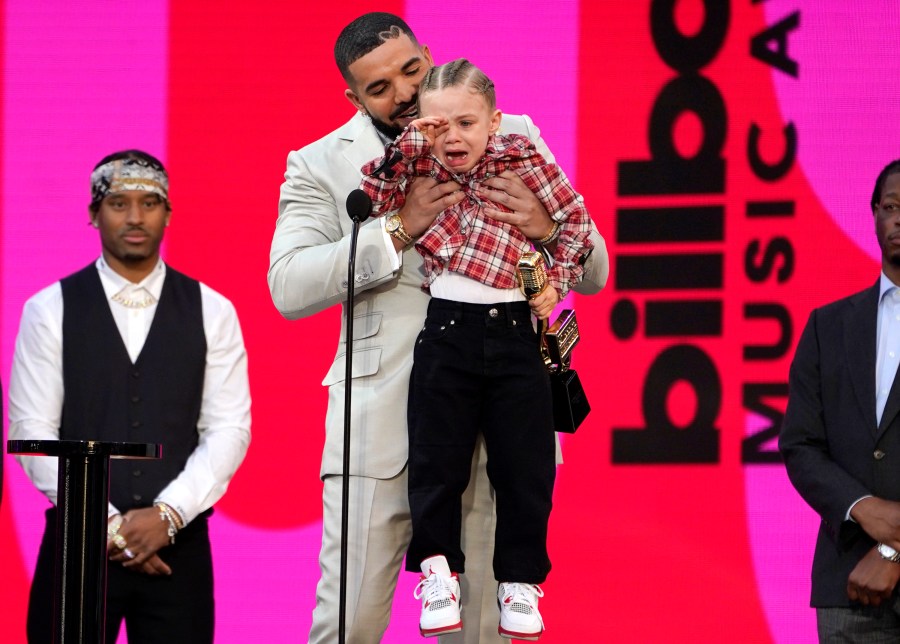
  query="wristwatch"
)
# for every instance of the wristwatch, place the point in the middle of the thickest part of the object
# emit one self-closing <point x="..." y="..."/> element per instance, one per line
<point x="393" y="224"/>
<point x="888" y="553"/>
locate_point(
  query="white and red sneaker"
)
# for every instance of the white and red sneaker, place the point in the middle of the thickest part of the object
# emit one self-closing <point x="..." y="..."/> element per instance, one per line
<point x="519" y="615"/>
<point x="439" y="591"/>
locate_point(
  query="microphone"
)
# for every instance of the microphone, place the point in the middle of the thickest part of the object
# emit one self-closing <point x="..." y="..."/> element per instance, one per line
<point x="359" y="205"/>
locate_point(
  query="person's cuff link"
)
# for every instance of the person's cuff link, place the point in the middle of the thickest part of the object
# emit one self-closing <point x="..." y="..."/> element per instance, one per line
<point x="888" y="553"/>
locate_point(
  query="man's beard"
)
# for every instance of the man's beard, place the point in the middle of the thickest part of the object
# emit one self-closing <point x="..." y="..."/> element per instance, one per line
<point x="386" y="129"/>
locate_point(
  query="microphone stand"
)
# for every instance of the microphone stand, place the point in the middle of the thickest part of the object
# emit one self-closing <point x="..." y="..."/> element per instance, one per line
<point x="359" y="205"/>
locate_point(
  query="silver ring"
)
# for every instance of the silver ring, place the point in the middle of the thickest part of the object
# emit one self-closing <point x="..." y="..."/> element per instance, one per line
<point x="127" y="552"/>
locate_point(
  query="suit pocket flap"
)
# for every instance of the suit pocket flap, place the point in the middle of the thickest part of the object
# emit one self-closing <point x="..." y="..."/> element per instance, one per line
<point x="365" y="326"/>
<point x="365" y="363"/>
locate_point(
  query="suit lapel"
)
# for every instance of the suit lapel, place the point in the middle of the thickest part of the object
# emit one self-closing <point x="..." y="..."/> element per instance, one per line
<point x="891" y="406"/>
<point x="859" y="341"/>
<point x="364" y="142"/>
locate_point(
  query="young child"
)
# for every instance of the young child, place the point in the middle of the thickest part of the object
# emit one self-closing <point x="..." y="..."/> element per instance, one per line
<point x="477" y="366"/>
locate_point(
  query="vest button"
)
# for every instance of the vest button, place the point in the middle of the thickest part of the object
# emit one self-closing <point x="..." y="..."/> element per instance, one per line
<point x="493" y="313"/>
<point x="135" y="374"/>
<point x="878" y="454"/>
<point x="136" y="423"/>
<point x="135" y="399"/>
<point x="136" y="497"/>
<point x="136" y="473"/>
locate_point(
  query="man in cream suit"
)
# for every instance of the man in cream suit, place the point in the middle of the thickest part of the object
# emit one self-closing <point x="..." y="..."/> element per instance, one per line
<point x="383" y="64"/>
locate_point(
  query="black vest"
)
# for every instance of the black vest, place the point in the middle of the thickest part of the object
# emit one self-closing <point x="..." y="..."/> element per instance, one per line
<point x="155" y="400"/>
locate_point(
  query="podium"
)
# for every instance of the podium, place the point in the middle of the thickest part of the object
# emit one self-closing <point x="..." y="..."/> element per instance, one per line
<point x="79" y="595"/>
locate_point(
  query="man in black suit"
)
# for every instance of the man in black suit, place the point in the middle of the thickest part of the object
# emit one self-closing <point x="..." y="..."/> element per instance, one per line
<point x="841" y="442"/>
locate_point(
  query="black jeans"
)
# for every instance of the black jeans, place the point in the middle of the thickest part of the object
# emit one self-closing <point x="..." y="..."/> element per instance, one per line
<point x="477" y="368"/>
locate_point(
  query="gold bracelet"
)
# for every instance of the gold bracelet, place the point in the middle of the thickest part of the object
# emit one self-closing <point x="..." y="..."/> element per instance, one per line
<point x="549" y="237"/>
<point x="168" y="514"/>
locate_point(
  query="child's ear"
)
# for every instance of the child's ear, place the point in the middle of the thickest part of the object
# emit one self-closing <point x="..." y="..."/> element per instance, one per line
<point x="496" y="117"/>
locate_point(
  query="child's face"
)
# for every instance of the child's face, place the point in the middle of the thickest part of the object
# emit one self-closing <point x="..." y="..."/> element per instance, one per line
<point x="470" y="122"/>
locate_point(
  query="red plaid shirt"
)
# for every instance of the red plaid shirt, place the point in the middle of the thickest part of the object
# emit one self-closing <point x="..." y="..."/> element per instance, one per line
<point x="462" y="238"/>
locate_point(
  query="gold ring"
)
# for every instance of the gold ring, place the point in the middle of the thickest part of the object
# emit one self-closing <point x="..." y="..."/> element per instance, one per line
<point x="112" y="529"/>
<point x="120" y="542"/>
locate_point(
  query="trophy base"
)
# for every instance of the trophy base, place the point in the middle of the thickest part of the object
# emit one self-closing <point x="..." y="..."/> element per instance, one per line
<point x="570" y="404"/>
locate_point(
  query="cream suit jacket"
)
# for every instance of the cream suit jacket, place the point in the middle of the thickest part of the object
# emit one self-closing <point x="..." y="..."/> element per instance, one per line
<point x="308" y="273"/>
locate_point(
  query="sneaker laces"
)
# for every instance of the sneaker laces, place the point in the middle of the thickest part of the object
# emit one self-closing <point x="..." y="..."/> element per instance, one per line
<point x="521" y="598"/>
<point x="436" y="590"/>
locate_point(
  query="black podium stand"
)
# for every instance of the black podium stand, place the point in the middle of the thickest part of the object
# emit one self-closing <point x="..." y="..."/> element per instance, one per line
<point x="79" y="596"/>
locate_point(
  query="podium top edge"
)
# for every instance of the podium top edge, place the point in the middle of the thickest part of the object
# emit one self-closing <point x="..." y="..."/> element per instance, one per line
<point x="66" y="448"/>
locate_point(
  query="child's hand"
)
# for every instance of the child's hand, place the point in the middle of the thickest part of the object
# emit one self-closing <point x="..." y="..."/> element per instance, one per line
<point x="542" y="305"/>
<point x="431" y="126"/>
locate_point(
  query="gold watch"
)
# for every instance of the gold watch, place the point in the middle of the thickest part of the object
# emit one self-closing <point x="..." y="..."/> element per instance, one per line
<point x="394" y="227"/>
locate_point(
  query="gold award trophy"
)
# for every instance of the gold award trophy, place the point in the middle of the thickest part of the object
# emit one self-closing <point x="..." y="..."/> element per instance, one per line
<point x="570" y="405"/>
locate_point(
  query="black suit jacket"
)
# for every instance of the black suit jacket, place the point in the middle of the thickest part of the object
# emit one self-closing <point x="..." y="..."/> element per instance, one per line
<point x="833" y="449"/>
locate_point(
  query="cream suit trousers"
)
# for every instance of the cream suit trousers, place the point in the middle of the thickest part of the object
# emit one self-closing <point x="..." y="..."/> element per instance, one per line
<point x="379" y="533"/>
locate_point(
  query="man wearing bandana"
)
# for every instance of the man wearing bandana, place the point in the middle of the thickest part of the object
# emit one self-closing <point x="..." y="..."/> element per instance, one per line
<point x="383" y="64"/>
<point x="129" y="349"/>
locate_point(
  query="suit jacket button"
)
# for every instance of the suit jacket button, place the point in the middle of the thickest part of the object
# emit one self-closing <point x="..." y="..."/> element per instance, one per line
<point x="878" y="454"/>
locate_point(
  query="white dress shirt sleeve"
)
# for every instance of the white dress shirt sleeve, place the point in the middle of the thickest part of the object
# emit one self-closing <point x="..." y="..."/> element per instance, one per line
<point x="36" y="384"/>
<point x="224" y="423"/>
<point x="395" y="256"/>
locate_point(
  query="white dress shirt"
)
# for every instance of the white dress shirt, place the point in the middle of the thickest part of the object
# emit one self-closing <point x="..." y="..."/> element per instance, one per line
<point x="888" y="355"/>
<point x="887" y="351"/>
<point x="36" y="385"/>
